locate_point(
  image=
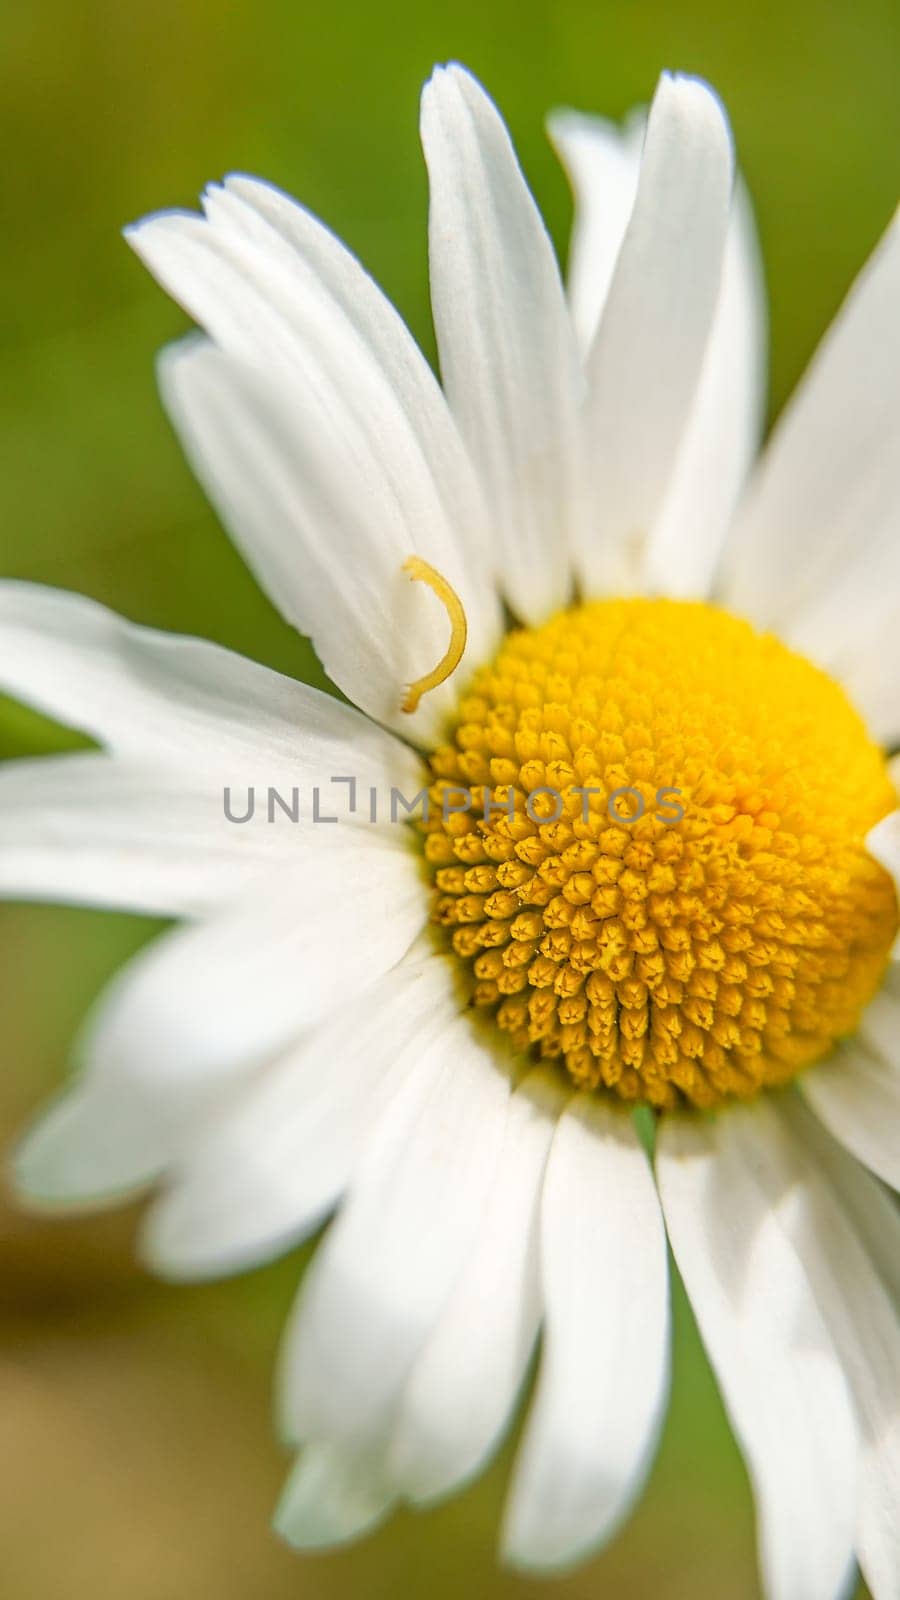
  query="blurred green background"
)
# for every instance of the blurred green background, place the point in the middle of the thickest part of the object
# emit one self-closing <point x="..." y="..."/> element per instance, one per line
<point x="138" y="1459"/>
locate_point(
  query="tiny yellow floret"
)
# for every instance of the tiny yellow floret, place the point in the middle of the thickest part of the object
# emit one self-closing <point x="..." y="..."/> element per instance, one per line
<point x="674" y="959"/>
<point x="426" y="573"/>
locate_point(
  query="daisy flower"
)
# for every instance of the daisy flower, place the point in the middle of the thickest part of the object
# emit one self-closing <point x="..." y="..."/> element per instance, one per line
<point x="653" y="898"/>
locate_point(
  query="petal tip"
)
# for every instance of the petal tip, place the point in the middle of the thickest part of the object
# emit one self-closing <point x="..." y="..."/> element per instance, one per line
<point x="49" y="1169"/>
<point x="691" y="99"/>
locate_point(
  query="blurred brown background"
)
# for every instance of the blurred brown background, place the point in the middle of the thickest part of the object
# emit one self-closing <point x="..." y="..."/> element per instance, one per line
<point x="137" y="1455"/>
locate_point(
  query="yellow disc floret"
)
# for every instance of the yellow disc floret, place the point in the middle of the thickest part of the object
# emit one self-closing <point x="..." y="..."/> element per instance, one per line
<point x="646" y="834"/>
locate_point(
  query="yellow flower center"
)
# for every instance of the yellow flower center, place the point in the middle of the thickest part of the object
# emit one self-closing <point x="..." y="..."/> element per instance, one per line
<point x="673" y="947"/>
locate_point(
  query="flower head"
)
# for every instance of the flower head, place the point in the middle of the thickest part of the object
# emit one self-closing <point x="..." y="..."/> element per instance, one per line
<point x="646" y="704"/>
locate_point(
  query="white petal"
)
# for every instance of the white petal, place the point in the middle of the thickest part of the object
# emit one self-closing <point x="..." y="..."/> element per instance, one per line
<point x="183" y="701"/>
<point x="464" y="1386"/>
<point x="205" y="1005"/>
<point x="757" y="1314"/>
<point x="722" y="435"/>
<point x="857" y="1096"/>
<point x="347" y="460"/>
<point x="109" y="832"/>
<point x="883" y="841"/>
<point x="815" y="553"/>
<point x="855" y="1260"/>
<point x="326" y="539"/>
<point x="849" y="1235"/>
<point x="507" y="347"/>
<point x="879" y="1025"/>
<point x="645" y="362"/>
<point x="213" y="999"/>
<point x="93" y="1146"/>
<point x="333" y="1495"/>
<point x="604" y="1371"/>
<point x="388" y="1263"/>
<point x="725" y="427"/>
<point x="337" y="290"/>
<point x="266" y="1168"/>
<point x="602" y="162"/>
<point x="868" y="1208"/>
<point x="855" y="1252"/>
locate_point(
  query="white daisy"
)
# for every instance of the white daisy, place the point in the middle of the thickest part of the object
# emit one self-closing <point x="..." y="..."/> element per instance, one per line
<point x="443" y="1029"/>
